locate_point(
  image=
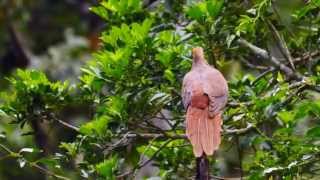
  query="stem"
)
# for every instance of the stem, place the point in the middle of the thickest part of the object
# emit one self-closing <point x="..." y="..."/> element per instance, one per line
<point x="46" y="171"/>
<point x="6" y="149"/>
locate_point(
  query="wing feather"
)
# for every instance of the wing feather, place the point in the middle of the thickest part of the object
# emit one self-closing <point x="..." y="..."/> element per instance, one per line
<point x="186" y="91"/>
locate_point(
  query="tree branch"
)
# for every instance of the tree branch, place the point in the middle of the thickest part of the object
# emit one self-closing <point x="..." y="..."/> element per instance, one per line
<point x="68" y="125"/>
<point x="265" y="55"/>
<point x="253" y="66"/>
<point x="142" y="164"/>
<point x="183" y="136"/>
<point x="280" y="43"/>
<point x="47" y="172"/>
<point x="263" y="74"/>
<point x="307" y="56"/>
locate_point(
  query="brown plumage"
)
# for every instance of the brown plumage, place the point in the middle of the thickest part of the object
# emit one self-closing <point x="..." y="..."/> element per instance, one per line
<point x="204" y="95"/>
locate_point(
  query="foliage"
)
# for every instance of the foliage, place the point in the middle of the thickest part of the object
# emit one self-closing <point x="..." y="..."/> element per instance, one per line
<point x="40" y="99"/>
<point x="132" y="84"/>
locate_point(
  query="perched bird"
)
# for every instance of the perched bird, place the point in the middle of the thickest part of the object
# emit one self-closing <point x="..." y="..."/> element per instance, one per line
<point x="204" y="95"/>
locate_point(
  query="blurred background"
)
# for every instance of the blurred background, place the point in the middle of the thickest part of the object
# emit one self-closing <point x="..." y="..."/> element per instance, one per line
<point x="54" y="36"/>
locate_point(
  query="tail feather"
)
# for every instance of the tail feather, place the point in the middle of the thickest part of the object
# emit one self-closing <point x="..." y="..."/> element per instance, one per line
<point x="202" y="131"/>
<point x="207" y="133"/>
<point x="193" y="123"/>
<point x="217" y="123"/>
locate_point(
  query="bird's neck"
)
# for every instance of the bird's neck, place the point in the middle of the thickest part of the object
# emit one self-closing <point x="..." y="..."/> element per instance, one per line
<point x="198" y="63"/>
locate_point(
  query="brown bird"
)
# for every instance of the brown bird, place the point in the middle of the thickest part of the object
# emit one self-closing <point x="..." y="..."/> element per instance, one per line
<point x="204" y="95"/>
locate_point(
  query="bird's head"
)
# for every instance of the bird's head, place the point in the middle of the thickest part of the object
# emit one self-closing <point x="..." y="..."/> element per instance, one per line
<point x="197" y="54"/>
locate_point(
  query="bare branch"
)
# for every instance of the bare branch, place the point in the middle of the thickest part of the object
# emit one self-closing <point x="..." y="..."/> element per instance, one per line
<point x="253" y="66"/>
<point x="237" y="104"/>
<point x="307" y="56"/>
<point x="183" y="136"/>
<point x="297" y="163"/>
<point x="154" y="135"/>
<point x="280" y="43"/>
<point x="68" y="125"/>
<point x="239" y="131"/>
<point x="265" y="55"/>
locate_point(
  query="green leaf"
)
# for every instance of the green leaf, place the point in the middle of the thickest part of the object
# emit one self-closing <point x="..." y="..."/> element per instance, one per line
<point x="107" y="168"/>
<point x="246" y="25"/>
<point x="168" y="74"/>
<point x="49" y="161"/>
<point x="286" y="116"/>
<point x="122" y="7"/>
<point x="165" y="57"/>
<point x="116" y="106"/>
<point x="214" y="7"/>
<point x="230" y="39"/>
<point x="98" y="126"/>
<point x="166" y="36"/>
<point x="314" y="132"/>
<point x="197" y="11"/>
<point x="71" y="148"/>
<point x="280" y="77"/>
<point x="100" y="11"/>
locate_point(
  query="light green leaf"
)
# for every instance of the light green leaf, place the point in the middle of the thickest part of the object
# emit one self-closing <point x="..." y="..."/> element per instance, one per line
<point x="169" y="75"/>
<point x="214" y="7"/>
<point x="99" y="126"/>
<point x="286" y="116"/>
<point x="71" y="148"/>
<point x="107" y="167"/>
<point x="197" y="11"/>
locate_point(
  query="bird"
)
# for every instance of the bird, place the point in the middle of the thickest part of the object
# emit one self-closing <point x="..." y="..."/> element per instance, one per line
<point x="204" y="96"/>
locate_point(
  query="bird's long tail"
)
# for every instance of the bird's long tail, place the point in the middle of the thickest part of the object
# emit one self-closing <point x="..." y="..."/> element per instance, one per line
<point x="203" y="131"/>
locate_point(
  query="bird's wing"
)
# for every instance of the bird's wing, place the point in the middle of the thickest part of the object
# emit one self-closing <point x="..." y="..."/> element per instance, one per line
<point x="217" y="90"/>
<point x="187" y="90"/>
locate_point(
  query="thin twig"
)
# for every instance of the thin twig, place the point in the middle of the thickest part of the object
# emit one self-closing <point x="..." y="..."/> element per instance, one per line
<point x="263" y="75"/>
<point x="239" y="131"/>
<point x="118" y="143"/>
<point x="47" y="172"/>
<point x="6" y="149"/>
<point x="155" y="135"/>
<point x="143" y="154"/>
<point x="68" y="125"/>
<point x="237" y="104"/>
<point x="253" y="66"/>
<point x="280" y="43"/>
<point x="32" y="164"/>
<point x="307" y="56"/>
<point x="183" y="136"/>
<point x="140" y="165"/>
